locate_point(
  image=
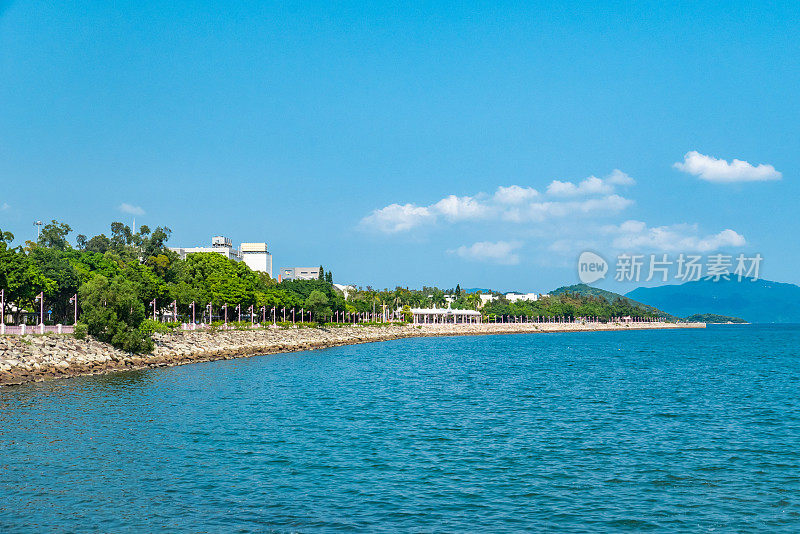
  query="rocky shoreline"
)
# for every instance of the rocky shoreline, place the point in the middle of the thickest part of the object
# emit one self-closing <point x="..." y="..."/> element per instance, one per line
<point x="32" y="358"/>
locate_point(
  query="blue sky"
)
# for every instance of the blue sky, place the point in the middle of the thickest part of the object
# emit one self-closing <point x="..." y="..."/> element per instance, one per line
<point x="374" y="139"/>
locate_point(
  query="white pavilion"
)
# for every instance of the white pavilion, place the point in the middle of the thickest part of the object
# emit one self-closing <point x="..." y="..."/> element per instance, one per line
<point x="444" y="316"/>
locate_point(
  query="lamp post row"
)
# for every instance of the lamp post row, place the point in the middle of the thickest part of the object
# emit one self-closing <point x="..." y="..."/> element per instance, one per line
<point x="174" y="304"/>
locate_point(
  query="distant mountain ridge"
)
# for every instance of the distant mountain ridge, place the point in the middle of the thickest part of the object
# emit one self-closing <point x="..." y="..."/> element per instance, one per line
<point x="760" y="301"/>
<point x="587" y="290"/>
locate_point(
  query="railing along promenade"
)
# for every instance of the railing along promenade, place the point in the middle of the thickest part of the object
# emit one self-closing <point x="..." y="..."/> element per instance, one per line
<point x="22" y="329"/>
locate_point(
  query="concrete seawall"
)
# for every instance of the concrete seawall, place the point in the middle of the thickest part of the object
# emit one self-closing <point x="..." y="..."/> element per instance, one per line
<point x="33" y="358"/>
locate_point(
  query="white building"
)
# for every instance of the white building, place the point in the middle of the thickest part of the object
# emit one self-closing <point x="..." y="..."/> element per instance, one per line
<point x="514" y="297"/>
<point x="485" y="299"/>
<point x="344" y="289"/>
<point x="255" y="255"/>
<point x="300" y="273"/>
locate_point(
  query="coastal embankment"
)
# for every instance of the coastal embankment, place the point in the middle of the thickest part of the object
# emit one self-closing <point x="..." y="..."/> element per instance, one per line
<point x="32" y="358"/>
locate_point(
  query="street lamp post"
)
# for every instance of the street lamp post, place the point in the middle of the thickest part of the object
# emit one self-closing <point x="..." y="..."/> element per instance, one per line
<point x="225" y="309"/>
<point x="38" y="225"/>
<point x="239" y="310"/>
<point x="40" y="298"/>
<point x="252" y="319"/>
<point x="193" y="322"/>
<point x="210" y="312"/>
<point x="74" y="300"/>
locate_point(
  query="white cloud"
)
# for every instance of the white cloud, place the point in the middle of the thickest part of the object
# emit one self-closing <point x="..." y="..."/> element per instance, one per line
<point x="501" y="252"/>
<point x="590" y="186"/>
<point x="130" y="209"/>
<point x="514" y="194"/>
<point x="542" y="211"/>
<point x="460" y="208"/>
<point x="396" y="218"/>
<point x="636" y="235"/>
<point x="617" y="177"/>
<point x="4" y="206"/>
<point x="513" y="203"/>
<point x="720" y="171"/>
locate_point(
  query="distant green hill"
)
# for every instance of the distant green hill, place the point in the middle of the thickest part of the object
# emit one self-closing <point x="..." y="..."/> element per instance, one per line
<point x="476" y="289"/>
<point x="761" y="301"/>
<point x="713" y="318"/>
<point x="586" y="290"/>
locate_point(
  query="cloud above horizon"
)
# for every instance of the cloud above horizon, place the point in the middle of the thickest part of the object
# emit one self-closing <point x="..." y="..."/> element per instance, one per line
<point x="637" y="236"/>
<point x="130" y="209"/>
<point x="514" y="203"/>
<point x="500" y="252"/>
<point x="560" y="222"/>
<point x="396" y="218"/>
<point x="715" y="170"/>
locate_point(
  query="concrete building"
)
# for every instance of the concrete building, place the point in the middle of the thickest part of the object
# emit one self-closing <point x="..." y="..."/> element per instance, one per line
<point x="300" y="273"/>
<point x="255" y="255"/>
<point x="219" y="244"/>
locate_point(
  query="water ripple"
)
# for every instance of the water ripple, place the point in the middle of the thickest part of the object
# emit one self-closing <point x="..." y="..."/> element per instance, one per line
<point x="577" y="432"/>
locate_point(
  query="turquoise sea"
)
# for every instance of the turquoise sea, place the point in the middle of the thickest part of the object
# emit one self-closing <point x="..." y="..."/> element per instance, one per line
<point x="692" y="430"/>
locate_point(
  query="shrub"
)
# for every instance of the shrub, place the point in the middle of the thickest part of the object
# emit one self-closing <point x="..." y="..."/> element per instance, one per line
<point x="150" y="326"/>
<point x="114" y="313"/>
<point x="80" y="331"/>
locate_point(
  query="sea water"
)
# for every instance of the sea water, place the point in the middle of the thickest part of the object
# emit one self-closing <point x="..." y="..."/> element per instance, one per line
<point x="675" y="430"/>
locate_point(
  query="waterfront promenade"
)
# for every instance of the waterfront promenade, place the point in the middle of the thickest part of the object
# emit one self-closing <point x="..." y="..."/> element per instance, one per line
<point x="34" y="358"/>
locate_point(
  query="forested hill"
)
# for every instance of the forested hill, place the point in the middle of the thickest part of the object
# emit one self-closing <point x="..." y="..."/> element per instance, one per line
<point x="589" y="291"/>
<point x="713" y="318"/>
<point x="760" y="301"/>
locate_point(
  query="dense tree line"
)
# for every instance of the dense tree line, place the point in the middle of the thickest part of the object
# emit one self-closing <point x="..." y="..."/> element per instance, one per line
<point x="567" y="305"/>
<point x="121" y="278"/>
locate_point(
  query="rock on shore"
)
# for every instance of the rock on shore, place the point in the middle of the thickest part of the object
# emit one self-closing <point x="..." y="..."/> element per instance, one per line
<point x="35" y="357"/>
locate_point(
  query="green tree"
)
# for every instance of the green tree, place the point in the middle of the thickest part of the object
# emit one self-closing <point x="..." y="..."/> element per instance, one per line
<point x="99" y="243"/>
<point x="318" y="303"/>
<point x="54" y="235"/>
<point x="113" y="312"/>
<point x="121" y="235"/>
<point x="154" y="244"/>
<point x="60" y="277"/>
